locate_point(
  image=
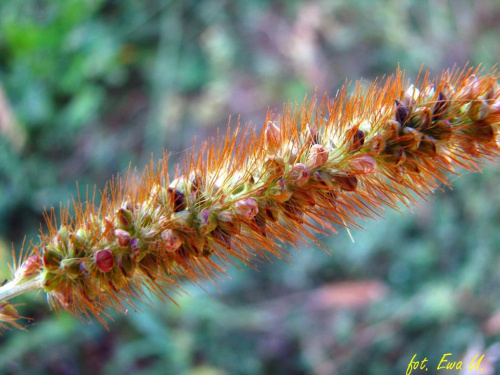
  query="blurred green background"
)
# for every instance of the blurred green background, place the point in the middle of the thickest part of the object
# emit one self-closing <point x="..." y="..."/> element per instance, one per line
<point x="91" y="86"/>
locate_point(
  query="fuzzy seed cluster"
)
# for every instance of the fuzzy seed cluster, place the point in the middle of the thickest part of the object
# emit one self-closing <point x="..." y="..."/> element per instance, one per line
<point x="313" y="168"/>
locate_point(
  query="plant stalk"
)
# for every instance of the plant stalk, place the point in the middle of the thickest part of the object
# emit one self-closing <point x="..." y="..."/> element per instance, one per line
<point x="17" y="287"/>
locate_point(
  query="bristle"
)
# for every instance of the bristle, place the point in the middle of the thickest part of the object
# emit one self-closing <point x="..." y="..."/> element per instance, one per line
<point x="241" y="198"/>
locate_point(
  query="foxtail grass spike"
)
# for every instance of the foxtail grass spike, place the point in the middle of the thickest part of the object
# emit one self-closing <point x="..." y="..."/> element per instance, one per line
<point x="314" y="168"/>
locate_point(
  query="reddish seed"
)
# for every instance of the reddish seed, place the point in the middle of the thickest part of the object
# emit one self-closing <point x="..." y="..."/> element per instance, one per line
<point x="347" y="183"/>
<point x="171" y="240"/>
<point x="318" y="156"/>
<point x="30" y="267"/>
<point x="299" y="174"/>
<point x="122" y="237"/>
<point x="364" y="164"/>
<point x="104" y="260"/>
<point x="247" y="208"/>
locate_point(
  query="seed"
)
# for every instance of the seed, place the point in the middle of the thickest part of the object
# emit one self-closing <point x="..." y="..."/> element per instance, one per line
<point x="273" y="138"/>
<point x="324" y="178"/>
<point x="358" y="139"/>
<point x="396" y="156"/>
<point x="478" y="110"/>
<point x="364" y="164"/>
<point x="124" y="219"/>
<point x="247" y="208"/>
<point x="81" y="237"/>
<point x="51" y="258"/>
<point x="299" y="174"/>
<point x="428" y="146"/>
<point x="271" y="212"/>
<point x="127" y="265"/>
<point x="304" y="197"/>
<point x="183" y="220"/>
<point x="440" y="107"/>
<point x="317" y="156"/>
<point x="411" y="95"/>
<point x="402" y="112"/>
<point x="378" y="144"/>
<point x="63" y="237"/>
<point x="411" y="138"/>
<point x="122" y="237"/>
<point x="30" y="267"/>
<point x="149" y="265"/>
<point x="346" y="183"/>
<point x="207" y="220"/>
<point x="171" y="240"/>
<point x="393" y="130"/>
<point x="281" y="192"/>
<point x="51" y="281"/>
<point x="177" y="199"/>
<point x="104" y="260"/>
<point x="426" y="120"/>
<point x="442" y="130"/>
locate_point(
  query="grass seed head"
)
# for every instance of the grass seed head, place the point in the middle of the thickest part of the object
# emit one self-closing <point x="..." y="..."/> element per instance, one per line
<point x="320" y="165"/>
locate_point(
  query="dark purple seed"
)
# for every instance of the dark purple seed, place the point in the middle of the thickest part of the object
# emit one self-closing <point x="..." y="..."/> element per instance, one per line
<point x="402" y="112"/>
<point x="178" y="199"/>
<point x="440" y="107"/>
<point x="358" y="139"/>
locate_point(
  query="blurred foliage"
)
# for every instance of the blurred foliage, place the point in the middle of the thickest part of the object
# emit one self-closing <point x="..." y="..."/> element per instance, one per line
<point x="93" y="85"/>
